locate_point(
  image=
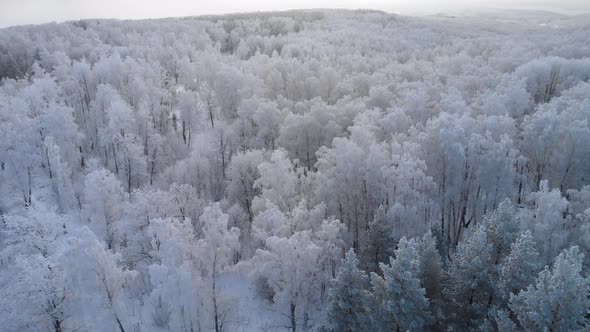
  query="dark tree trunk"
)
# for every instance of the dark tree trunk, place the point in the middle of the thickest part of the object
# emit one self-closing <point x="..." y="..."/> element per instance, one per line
<point x="292" y="316"/>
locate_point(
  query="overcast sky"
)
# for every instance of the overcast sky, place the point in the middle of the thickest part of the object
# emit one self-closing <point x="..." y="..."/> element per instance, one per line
<point x="15" y="12"/>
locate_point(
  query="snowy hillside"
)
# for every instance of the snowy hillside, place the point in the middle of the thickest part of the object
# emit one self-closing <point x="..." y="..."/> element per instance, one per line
<point x="296" y="171"/>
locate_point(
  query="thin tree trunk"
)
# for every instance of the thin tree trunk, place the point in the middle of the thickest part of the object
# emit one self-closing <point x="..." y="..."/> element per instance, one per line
<point x="214" y="286"/>
<point x="292" y="307"/>
<point x="57" y="325"/>
<point x="121" y="329"/>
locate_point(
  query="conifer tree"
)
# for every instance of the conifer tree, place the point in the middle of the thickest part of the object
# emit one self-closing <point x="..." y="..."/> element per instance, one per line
<point x="400" y="300"/>
<point x="348" y="300"/>
<point x="467" y="283"/>
<point x="519" y="269"/>
<point x="558" y="300"/>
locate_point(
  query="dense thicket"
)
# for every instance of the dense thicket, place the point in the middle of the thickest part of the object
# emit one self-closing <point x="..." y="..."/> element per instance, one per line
<point x="305" y="171"/>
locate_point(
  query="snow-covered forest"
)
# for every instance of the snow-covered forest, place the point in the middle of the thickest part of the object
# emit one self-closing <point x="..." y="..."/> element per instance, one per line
<point x="296" y="171"/>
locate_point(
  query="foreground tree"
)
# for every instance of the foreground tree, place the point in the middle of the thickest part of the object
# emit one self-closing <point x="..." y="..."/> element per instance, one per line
<point x="218" y="250"/>
<point x="348" y="299"/>
<point x="558" y="300"/>
<point x="519" y="269"/>
<point x="400" y="299"/>
<point x="103" y="202"/>
<point x="467" y="283"/>
<point x="381" y="241"/>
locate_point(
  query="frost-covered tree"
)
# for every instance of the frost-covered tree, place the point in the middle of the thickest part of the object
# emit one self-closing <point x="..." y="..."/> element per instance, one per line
<point x="218" y="249"/>
<point x="242" y="175"/>
<point x="211" y="173"/>
<point x="502" y="227"/>
<point x="558" y="299"/>
<point x="400" y="299"/>
<point x="520" y="267"/>
<point x="33" y="273"/>
<point x="39" y="295"/>
<point x="288" y="266"/>
<point x="431" y="271"/>
<point x="174" y="275"/>
<point x="549" y="221"/>
<point x="468" y="286"/>
<point x="381" y="241"/>
<point x="99" y="269"/>
<point x="296" y="268"/>
<point x="348" y="299"/>
<point x="104" y="199"/>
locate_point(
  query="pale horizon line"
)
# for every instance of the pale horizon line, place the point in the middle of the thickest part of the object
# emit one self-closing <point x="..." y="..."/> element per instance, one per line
<point x="407" y="12"/>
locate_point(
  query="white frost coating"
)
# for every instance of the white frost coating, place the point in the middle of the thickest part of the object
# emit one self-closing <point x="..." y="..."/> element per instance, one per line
<point x="210" y="174"/>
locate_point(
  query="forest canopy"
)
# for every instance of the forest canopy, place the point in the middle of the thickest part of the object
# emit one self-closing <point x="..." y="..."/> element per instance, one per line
<point x="297" y="171"/>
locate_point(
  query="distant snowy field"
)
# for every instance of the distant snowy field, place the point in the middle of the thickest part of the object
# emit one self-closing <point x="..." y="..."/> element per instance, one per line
<point x="296" y="171"/>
